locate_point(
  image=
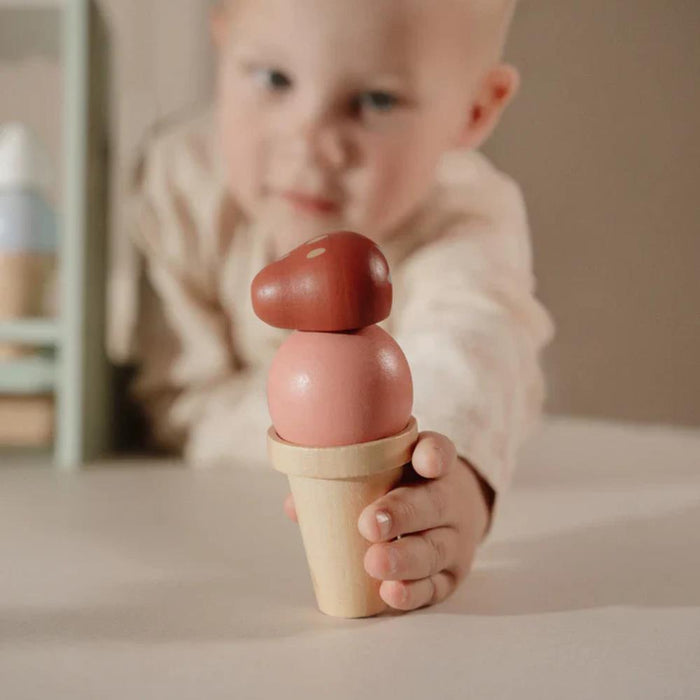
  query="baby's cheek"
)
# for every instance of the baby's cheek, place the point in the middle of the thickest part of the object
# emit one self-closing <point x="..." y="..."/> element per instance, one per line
<point x="239" y="131"/>
<point x="242" y="165"/>
<point x="397" y="186"/>
<point x="371" y="205"/>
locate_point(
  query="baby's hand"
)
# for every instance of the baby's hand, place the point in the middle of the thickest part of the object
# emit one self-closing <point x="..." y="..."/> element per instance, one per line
<point x="441" y="516"/>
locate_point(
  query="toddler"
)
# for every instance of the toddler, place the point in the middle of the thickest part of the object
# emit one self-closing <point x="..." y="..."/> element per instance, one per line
<point x="362" y="115"/>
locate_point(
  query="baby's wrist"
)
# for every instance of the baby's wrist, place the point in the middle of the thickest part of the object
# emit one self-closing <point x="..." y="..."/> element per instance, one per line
<point x="486" y="494"/>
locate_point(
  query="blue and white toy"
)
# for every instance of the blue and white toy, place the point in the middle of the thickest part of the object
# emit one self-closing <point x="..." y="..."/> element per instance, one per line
<point x="27" y="220"/>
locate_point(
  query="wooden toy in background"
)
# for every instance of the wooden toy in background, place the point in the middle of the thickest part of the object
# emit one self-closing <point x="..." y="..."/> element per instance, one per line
<point x="27" y="228"/>
<point x="26" y="421"/>
<point x="340" y="397"/>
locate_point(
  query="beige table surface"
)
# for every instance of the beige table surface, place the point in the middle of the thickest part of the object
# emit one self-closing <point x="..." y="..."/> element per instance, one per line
<point x="154" y="581"/>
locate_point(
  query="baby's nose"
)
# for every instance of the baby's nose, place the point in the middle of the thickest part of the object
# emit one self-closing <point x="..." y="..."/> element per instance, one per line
<point x="321" y="143"/>
<point x="329" y="145"/>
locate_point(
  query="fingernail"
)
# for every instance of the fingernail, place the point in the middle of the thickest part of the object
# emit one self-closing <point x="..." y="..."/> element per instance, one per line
<point x="383" y="523"/>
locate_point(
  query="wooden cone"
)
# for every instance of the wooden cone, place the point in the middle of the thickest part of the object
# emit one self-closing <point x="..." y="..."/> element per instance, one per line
<point x="331" y="487"/>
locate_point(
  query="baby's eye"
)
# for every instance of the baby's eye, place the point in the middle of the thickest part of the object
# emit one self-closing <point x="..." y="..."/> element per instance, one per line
<point x="376" y="101"/>
<point x="272" y="79"/>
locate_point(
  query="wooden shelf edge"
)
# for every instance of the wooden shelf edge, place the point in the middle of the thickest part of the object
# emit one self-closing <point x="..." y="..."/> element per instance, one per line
<point x="30" y="331"/>
<point x="34" y="374"/>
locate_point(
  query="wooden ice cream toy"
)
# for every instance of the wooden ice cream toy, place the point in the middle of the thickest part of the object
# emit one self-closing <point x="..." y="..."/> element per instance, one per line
<point x="340" y="397"/>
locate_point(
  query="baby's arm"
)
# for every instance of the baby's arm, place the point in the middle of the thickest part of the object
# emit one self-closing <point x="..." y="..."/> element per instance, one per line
<point x="198" y="396"/>
<point x="472" y="331"/>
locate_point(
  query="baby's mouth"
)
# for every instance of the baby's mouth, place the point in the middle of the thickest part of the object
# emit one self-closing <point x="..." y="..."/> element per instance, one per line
<point x="310" y="203"/>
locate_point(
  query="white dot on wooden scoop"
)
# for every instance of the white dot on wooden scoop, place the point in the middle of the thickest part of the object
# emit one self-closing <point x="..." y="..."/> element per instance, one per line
<point x="315" y="253"/>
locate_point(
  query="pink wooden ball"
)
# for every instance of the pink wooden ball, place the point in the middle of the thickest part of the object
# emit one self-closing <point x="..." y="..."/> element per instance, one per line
<point x="331" y="389"/>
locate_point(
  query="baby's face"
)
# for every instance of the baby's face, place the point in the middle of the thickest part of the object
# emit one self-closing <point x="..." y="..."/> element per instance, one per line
<point x="333" y="115"/>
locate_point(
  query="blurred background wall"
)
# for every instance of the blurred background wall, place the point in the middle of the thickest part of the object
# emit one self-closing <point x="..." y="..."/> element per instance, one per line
<point x="603" y="138"/>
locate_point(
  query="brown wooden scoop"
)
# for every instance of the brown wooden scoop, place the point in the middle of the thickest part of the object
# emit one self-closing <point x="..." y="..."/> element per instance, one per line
<point x="337" y="282"/>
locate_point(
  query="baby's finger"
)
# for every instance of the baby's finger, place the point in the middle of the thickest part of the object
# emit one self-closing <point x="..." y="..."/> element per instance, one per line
<point x="433" y="455"/>
<point x="289" y="509"/>
<point x="413" y="558"/>
<point x="407" y="509"/>
<point x="409" y="595"/>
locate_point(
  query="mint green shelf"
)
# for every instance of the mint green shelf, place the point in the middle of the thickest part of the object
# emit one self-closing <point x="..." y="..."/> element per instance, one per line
<point x="32" y="331"/>
<point x="31" y="375"/>
<point x="79" y="374"/>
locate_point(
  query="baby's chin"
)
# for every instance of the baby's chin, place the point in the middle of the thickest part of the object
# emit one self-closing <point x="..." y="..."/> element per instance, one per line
<point x="293" y="235"/>
<point x="288" y="228"/>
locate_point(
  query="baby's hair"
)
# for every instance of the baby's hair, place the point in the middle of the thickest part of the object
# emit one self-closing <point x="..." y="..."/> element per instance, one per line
<point x="494" y="16"/>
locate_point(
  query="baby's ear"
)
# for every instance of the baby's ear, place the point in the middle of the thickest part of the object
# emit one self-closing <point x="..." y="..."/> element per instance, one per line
<point x="497" y="89"/>
<point x="218" y="24"/>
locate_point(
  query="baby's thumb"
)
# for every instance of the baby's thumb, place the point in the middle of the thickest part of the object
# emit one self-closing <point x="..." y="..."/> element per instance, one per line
<point x="433" y="455"/>
<point x="289" y="508"/>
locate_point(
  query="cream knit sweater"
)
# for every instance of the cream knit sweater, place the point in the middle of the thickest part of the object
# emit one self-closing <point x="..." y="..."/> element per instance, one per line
<point x="464" y="309"/>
